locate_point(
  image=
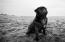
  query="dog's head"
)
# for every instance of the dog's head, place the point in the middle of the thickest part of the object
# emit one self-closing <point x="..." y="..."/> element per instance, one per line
<point x="41" y="11"/>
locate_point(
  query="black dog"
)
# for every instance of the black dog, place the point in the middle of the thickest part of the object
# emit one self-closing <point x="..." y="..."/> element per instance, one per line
<point x="39" y="23"/>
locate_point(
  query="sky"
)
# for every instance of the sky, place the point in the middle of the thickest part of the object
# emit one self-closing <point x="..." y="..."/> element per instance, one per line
<point x="27" y="7"/>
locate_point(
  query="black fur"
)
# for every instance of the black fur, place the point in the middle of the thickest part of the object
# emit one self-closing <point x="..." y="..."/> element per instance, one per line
<point x="39" y="23"/>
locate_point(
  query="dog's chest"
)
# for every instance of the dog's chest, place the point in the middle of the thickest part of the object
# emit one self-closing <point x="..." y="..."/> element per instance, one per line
<point x="44" y="21"/>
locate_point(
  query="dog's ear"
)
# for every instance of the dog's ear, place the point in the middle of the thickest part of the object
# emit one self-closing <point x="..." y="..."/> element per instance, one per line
<point x="36" y="10"/>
